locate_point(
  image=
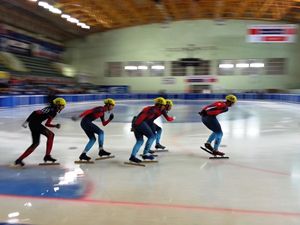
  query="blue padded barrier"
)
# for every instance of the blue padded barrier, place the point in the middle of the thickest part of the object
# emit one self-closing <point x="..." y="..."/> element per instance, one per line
<point x="23" y="100"/>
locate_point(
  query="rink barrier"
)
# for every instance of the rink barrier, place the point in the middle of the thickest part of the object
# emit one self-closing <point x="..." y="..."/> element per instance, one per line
<point x="24" y="100"/>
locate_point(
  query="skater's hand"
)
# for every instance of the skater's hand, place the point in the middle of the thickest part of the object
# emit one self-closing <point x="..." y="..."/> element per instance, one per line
<point x="111" y="116"/>
<point x="203" y="113"/>
<point x="57" y="126"/>
<point x="74" y="118"/>
<point x="24" y="124"/>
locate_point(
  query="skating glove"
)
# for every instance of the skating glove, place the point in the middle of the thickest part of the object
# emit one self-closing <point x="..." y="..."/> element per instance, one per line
<point x="24" y="124"/>
<point x="57" y="126"/>
<point x="111" y="116"/>
<point x="203" y="113"/>
<point x="74" y="118"/>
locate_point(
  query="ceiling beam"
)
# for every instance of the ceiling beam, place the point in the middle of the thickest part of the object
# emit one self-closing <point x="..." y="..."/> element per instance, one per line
<point x="264" y="8"/>
<point x="285" y="7"/>
<point x="219" y="8"/>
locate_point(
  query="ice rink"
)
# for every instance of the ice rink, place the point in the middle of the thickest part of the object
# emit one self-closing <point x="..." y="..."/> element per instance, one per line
<point x="259" y="184"/>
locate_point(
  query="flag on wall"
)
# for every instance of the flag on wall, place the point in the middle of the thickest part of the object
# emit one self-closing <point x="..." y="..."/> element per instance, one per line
<point x="281" y="33"/>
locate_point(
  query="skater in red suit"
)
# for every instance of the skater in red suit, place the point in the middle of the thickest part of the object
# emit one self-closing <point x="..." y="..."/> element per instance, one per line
<point x="35" y="125"/>
<point x="209" y="118"/>
<point x="157" y="129"/>
<point x="142" y="126"/>
<point x="91" y="129"/>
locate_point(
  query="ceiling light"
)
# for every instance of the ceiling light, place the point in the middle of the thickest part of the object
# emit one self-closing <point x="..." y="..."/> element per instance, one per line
<point x="66" y="16"/>
<point x="43" y="4"/>
<point x="55" y="10"/>
<point x="73" y="20"/>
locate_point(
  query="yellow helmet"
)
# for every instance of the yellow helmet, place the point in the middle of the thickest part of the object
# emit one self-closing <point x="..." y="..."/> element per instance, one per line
<point x="60" y="101"/>
<point x="109" y="101"/>
<point x="160" y="101"/>
<point x="231" y="98"/>
<point x="169" y="102"/>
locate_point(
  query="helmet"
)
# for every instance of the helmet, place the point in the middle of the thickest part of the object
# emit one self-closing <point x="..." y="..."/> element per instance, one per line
<point x="109" y="101"/>
<point x="160" y="101"/>
<point x="169" y="102"/>
<point x="60" y="101"/>
<point x="231" y="98"/>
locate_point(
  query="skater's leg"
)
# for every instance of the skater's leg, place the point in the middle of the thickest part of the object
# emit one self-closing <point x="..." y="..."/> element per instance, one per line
<point x="211" y="138"/>
<point x="218" y="140"/>
<point x="158" y="134"/>
<point x="147" y="131"/>
<point x="91" y="142"/>
<point x="100" y="138"/>
<point x="50" y="137"/>
<point x="139" y="142"/>
<point x="35" y="133"/>
<point x="88" y="128"/>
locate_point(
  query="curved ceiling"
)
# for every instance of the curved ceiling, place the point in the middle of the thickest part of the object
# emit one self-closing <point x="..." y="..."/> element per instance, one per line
<point x="103" y="15"/>
<point x="112" y="14"/>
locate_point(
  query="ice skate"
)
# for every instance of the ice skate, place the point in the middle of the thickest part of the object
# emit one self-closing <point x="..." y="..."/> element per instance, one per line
<point x="19" y="162"/>
<point x="208" y="146"/>
<point x="149" y="158"/>
<point x="159" y="146"/>
<point x="83" y="158"/>
<point x="216" y="154"/>
<point x="48" y="160"/>
<point x="104" y="155"/>
<point x="134" y="161"/>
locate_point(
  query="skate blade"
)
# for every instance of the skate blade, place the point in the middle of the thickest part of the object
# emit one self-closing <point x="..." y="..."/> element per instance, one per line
<point x="214" y="156"/>
<point x="13" y="166"/>
<point x="160" y="150"/>
<point x="83" y="162"/>
<point x="105" y="157"/>
<point x="151" y="154"/>
<point x="134" y="164"/>
<point x="219" y="157"/>
<point x="150" y="161"/>
<point x="49" y="164"/>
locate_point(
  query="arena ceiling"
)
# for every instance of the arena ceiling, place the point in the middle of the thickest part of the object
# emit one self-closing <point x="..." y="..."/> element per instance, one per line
<point x="103" y="15"/>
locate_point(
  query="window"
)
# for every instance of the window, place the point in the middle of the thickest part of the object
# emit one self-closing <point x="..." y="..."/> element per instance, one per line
<point x="177" y="69"/>
<point x="203" y="68"/>
<point x="157" y="68"/>
<point x="226" y="67"/>
<point x="114" y="69"/>
<point x="275" y="66"/>
<point x="134" y="69"/>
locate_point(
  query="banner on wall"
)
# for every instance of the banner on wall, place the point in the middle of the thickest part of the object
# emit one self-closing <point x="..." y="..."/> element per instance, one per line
<point x="281" y="33"/>
<point x="16" y="41"/>
<point x="15" y="46"/>
<point x="201" y="79"/>
<point x="41" y="51"/>
<point x="168" y="80"/>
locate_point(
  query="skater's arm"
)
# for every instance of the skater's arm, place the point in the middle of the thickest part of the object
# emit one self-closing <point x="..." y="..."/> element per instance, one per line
<point x="104" y="122"/>
<point x="168" y="118"/>
<point x="31" y="117"/>
<point x="49" y="124"/>
<point x="87" y="112"/>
